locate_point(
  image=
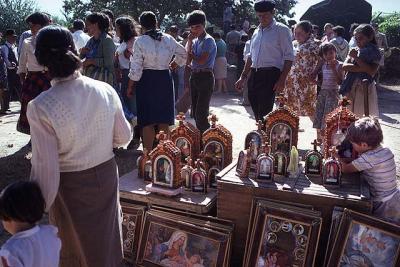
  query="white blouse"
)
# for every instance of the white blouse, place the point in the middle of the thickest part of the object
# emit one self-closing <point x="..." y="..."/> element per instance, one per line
<point x="155" y="55"/>
<point x="74" y="126"/>
<point x="38" y="246"/>
<point x="27" y="58"/>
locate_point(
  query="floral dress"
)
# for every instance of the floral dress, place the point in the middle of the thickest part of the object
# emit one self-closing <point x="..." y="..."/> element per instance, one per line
<point x="301" y="95"/>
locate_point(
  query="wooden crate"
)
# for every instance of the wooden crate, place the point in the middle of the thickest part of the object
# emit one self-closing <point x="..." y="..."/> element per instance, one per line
<point x="235" y="198"/>
<point x="133" y="190"/>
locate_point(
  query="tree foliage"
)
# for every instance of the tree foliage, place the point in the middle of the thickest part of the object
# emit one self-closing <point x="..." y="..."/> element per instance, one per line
<point x="14" y="12"/>
<point x="389" y="24"/>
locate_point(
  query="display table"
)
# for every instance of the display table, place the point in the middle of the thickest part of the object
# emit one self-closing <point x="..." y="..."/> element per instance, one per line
<point x="133" y="189"/>
<point x="235" y="196"/>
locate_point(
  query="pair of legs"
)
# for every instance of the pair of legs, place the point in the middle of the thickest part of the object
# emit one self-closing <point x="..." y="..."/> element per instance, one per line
<point x="221" y="85"/>
<point x="149" y="134"/>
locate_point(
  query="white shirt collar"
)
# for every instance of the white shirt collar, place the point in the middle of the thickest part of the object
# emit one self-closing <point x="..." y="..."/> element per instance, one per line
<point x="10" y="45"/>
<point x="73" y="76"/>
<point x="27" y="233"/>
<point x="273" y="23"/>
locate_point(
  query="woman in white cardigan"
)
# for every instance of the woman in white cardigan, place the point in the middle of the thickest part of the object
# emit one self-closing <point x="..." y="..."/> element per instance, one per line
<point x="74" y="127"/>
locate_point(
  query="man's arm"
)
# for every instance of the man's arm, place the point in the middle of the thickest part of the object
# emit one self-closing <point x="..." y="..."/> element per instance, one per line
<point x="280" y="84"/>
<point x="244" y="75"/>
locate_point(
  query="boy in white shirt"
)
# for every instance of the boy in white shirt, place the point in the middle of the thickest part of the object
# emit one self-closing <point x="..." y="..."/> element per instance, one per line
<point x="31" y="245"/>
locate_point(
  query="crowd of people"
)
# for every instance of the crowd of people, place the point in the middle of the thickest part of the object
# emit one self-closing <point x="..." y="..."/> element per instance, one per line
<point x="82" y="91"/>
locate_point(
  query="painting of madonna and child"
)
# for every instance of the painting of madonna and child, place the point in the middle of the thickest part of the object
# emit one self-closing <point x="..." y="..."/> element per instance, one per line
<point x="171" y="247"/>
<point x="281" y="138"/>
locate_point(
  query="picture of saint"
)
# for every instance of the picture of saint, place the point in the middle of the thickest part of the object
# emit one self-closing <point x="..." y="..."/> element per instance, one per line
<point x="163" y="173"/>
<point x="313" y="163"/>
<point x="185" y="176"/>
<point x="212" y="177"/>
<point x="368" y="246"/>
<point x="184" y="145"/>
<point x="281" y="138"/>
<point x="198" y="181"/>
<point x="176" y="248"/>
<point x="332" y="173"/>
<point x="242" y="162"/>
<point x="256" y="144"/>
<point x="265" y="168"/>
<point x="147" y="171"/>
<point x="214" y="154"/>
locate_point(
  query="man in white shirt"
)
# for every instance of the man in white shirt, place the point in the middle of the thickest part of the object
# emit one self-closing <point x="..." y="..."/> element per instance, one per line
<point x="79" y="36"/>
<point x="269" y="61"/>
<point x="10" y="55"/>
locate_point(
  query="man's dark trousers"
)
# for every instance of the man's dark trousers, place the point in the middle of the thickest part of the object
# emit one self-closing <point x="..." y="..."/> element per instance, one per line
<point x="260" y="84"/>
<point x="201" y="86"/>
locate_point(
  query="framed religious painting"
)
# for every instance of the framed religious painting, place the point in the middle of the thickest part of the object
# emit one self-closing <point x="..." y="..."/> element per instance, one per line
<point x="166" y="163"/>
<point x="212" y="177"/>
<point x="363" y="240"/>
<point x="265" y="165"/>
<point x="282" y="236"/>
<point x="199" y="178"/>
<point x="187" y="138"/>
<point x="217" y="150"/>
<point x="169" y="242"/>
<point x="337" y="123"/>
<point x="132" y="217"/>
<point x="257" y="137"/>
<point x="282" y="127"/>
<point x="280" y="163"/>
<point x="186" y="173"/>
<point x="314" y="161"/>
<point x="243" y="164"/>
<point x="337" y="214"/>
<point x="332" y="171"/>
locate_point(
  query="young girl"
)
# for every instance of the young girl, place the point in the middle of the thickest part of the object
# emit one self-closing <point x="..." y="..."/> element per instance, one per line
<point x="332" y="75"/>
<point x="362" y="65"/>
<point x="31" y="245"/>
<point x="377" y="167"/>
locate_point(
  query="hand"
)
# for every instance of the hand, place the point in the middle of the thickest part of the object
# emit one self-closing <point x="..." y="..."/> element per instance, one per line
<point x="173" y="65"/>
<point x="191" y="36"/>
<point x="239" y="84"/>
<point x="353" y="53"/>
<point x="88" y="62"/>
<point x="279" y="85"/>
<point x="127" y="54"/>
<point x="83" y="51"/>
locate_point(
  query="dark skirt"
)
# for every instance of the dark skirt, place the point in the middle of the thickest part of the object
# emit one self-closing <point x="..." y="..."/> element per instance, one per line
<point x="34" y="84"/>
<point x="87" y="214"/>
<point x="155" y="98"/>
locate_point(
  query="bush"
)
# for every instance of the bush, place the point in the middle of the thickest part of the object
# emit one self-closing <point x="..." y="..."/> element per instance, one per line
<point x="390" y="25"/>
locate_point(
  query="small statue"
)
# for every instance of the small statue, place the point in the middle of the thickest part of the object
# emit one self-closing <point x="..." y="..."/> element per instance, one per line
<point x="293" y="167"/>
<point x="199" y="178"/>
<point x="186" y="173"/>
<point x="332" y="170"/>
<point x="280" y="163"/>
<point x="265" y="165"/>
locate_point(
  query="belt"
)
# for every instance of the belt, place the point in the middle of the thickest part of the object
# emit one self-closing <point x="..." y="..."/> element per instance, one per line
<point x="263" y="69"/>
<point x="201" y="70"/>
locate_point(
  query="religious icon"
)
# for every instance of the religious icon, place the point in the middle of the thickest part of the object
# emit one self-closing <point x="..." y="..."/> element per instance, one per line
<point x="186" y="137"/>
<point x="337" y="123"/>
<point x="212" y="177"/>
<point x="282" y="126"/>
<point x="258" y="137"/>
<point x="280" y="163"/>
<point x="141" y="162"/>
<point x="242" y="167"/>
<point x="265" y="165"/>
<point x="332" y="171"/>
<point x="217" y="142"/>
<point x="199" y="178"/>
<point x="314" y="161"/>
<point x="186" y="173"/>
<point x="148" y="175"/>
<point x="166" y="163"/>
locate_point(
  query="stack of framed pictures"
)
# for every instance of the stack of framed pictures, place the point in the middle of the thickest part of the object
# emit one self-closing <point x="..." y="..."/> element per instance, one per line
<point x="173" y="238"/>
<point x="281" y="234"/>
<point x="362" y="240"/>
<point x="132" y="218"/>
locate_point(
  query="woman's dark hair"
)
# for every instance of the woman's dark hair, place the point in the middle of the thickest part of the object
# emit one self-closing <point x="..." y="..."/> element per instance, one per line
<point x="305" y="25"/>
<point x="325" y="48"/>
<point x="22" y="202"/>
<point x="78" y="24"/>
<point x="55" y="49"/>
<point x="39" y="18"/>
<point x="109" y="14"/>
<point x="339" y="30"/>
<point x="185" y="34"/>
<point x="367" y="31"/>
<point x="127" y="27"/>
<point x="196" y="17"/>
<point x="102" y="20"/>
<point x="353" y="26"/>
<point x="148" y="20"/>
<point x="216" y="35"/>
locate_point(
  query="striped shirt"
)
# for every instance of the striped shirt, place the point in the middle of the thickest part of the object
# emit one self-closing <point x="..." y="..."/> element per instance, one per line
<point x="329" y="80"/>
<point x="378" y="168"/>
